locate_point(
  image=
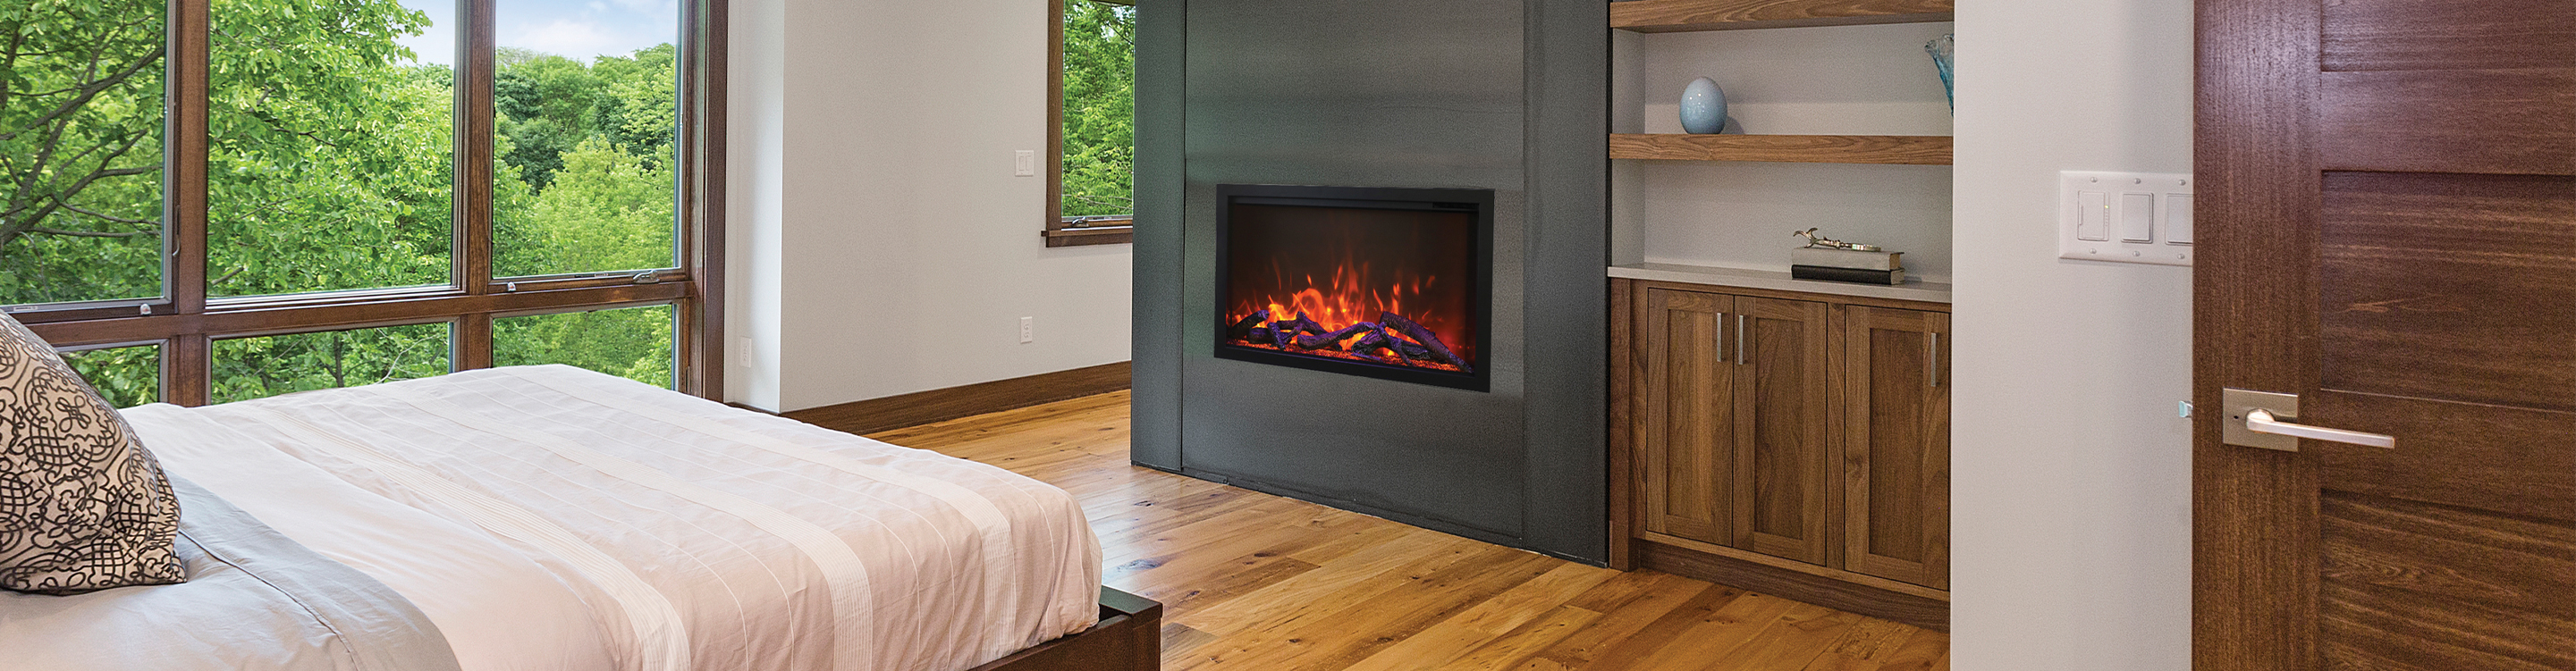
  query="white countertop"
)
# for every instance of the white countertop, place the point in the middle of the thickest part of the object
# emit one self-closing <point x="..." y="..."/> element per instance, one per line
<point x="1911" y="290"/>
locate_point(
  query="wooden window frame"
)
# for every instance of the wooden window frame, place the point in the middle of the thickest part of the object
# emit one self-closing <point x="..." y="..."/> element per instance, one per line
<point x="1062" y="231"/>
<point x="185" y="321"/>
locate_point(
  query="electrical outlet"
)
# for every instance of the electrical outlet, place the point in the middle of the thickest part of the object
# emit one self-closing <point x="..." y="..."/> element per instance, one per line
<point x="1028" y="330"/>
<point x="1024" y="163"/>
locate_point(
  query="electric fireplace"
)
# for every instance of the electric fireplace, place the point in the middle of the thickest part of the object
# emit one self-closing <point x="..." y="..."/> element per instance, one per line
<point x="1390" y="283"/>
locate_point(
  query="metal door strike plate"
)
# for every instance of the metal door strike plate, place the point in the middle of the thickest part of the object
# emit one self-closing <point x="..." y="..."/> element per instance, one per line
<point x="2239" y="401"/>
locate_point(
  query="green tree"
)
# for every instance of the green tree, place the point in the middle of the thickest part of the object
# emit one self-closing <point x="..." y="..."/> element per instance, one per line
<point x="126" y="376"/>
<point x="633" y="343"/>
<point x="1099" y="109"/>
<point x="593" y="144"/>
<point x="329" y="165"/>
<point x="248" y="368"/>
<point x="80" y="149"/>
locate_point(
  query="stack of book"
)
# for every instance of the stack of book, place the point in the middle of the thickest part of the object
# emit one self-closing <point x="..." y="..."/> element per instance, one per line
<point x="1844" y="265"/>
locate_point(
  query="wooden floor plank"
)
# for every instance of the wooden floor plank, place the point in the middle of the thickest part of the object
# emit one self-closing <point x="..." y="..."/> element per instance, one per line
<point x="1863" y="647"/>
<point x="1522" y="645"/>
<point x="1255" y="581"/>
<point x="1708" y="636"/>
<point x="1794" y="641"/>
<point x="1452" y="638"/>
<point x="1624" y="621"/>
<point x="1925" y="651"/>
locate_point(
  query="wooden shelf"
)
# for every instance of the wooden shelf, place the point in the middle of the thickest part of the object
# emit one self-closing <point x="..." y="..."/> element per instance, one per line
<point x="1877" y="149"/>
<point x="1677" y="16"/>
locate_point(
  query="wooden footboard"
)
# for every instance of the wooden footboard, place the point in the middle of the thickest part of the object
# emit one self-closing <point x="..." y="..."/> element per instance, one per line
<point x="1129" y="637"/>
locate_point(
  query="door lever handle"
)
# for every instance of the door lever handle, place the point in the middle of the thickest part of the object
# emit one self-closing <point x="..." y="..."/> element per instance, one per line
<point x="2262" y="421"/>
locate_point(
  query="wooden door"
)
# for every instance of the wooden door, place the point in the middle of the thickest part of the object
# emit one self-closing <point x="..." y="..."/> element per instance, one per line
<point x="2388" y="230"/>
<point x="1781" y="418"/>
<point x="1688" y="397"/>
<point x="1896" y="444"/>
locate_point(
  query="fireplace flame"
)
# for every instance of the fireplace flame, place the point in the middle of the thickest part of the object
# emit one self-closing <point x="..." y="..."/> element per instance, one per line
<point x="1347" y="299"/>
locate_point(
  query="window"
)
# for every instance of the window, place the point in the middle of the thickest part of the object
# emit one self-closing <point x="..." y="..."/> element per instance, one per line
<point x="260" y="367"/>
<point x="126" y="376"/>
<point x="1091" y="198"/>
<point x="80" y="151"/>
<point x="344" y="192"/>
<point x="633" y="343"/>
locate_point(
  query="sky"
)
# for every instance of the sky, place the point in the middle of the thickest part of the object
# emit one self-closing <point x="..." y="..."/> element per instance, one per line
<point x="577" y="28"/>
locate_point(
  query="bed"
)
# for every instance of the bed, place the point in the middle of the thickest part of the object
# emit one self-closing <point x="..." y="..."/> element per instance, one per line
<point x="549" y="517"/>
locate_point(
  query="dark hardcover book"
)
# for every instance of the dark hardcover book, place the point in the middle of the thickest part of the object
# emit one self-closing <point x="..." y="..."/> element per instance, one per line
<point x="1854" y="275"/>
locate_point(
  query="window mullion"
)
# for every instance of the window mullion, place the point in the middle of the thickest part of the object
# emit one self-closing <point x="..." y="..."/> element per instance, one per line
<point x="474" y="148"/>
<point x="184" y="374"/>
<point x="700" y="327"/>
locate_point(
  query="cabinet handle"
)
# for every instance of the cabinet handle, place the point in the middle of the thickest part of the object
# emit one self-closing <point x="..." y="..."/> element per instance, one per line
<point x="1932" y="358"/>
<point x="1718" y="339"/>
<point x="1740" y="355"/>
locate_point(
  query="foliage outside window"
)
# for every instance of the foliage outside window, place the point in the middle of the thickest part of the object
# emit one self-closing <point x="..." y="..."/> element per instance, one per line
<point x="332" y="137"/>
<point x="633" y="343"/>
<point x="1094" y="196"/>
<point x="126" y="376"/>
<point x="248" y="368"/>
<point x="80" y="150"/>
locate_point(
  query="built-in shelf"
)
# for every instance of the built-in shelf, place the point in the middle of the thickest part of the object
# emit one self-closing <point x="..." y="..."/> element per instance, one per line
<point x="1880" y="149"/>
<point x="1748" y="278"/>
<point x="1676" y="16"/>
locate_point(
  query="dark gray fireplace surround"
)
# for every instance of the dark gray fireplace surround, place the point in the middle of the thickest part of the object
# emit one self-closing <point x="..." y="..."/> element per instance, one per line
<point x="1506" y="95"/>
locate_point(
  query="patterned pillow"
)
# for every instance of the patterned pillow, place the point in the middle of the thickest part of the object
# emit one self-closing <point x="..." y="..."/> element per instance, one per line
<point x="83" y="507"/>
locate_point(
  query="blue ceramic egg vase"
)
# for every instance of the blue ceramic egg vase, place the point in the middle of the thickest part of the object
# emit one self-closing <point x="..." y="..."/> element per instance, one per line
<point x="1703" y="107"/>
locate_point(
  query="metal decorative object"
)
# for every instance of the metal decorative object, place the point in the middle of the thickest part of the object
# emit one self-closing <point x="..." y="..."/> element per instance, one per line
<point x="1820" y="242"/>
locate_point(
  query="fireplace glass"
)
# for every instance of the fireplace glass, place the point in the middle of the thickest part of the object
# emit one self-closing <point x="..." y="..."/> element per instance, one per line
<point x="1379" y="282"/>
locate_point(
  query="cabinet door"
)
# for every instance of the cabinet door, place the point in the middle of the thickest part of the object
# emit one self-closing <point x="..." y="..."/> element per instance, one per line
<point x="1896" y="444"/>
<point x="1686" y="396"/>
<point x="1781" y="418"/>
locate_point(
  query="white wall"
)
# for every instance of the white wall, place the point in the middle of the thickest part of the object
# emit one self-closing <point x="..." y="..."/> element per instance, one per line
<point x="755" y="154"/>
<point x="2070" y="471"/>
<point x="906" y="251"/>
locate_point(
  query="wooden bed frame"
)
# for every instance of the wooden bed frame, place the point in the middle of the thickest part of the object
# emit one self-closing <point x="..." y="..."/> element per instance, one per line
<point x="1129" y="637"/>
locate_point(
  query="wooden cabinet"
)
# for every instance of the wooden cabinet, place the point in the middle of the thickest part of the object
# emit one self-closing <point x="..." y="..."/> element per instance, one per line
<point x="1805" y="434"/>
<point x="1895" y="444"/>
<point x="1735" y="390"/>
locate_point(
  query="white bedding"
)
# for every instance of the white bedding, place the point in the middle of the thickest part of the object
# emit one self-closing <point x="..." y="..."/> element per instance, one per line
<point x="553" y="518"/>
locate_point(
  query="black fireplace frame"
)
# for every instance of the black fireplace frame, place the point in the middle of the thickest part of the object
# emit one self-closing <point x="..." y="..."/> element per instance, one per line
<point x="1480" y="296"/>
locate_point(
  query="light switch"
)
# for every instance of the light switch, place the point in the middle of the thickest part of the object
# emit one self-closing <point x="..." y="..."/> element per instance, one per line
<point x="2092" y="212"/>
<point x="2124" y="217"/>
<point x="1024" y="163"/>
<point x="2137" y="217"/>
<point x="2177" y="218"/>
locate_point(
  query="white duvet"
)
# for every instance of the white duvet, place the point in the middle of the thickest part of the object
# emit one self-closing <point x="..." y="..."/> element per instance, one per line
<point x="553" y="518"/>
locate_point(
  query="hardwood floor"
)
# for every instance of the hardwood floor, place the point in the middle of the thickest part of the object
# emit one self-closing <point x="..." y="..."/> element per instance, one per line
<point x="1255" y="581"/>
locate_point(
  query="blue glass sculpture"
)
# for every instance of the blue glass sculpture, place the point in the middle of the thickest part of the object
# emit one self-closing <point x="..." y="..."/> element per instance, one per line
<point x="1945" y="51"/>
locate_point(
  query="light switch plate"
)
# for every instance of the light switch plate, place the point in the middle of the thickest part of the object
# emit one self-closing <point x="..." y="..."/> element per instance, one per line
<point x="1024" y="163"/>
<point x="2125" y="217"/>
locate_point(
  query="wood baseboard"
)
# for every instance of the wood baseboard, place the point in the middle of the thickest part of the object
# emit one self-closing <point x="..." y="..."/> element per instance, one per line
<point x="940" y="405"/>
<point x="1795" y="585"/>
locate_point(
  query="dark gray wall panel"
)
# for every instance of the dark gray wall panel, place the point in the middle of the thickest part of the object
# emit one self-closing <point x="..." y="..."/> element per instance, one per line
<point x="1357" y="93"/>
<point x="1155" y="404"/>
<point x="1496" y="94"/>
<point x="1569" y="160"/>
